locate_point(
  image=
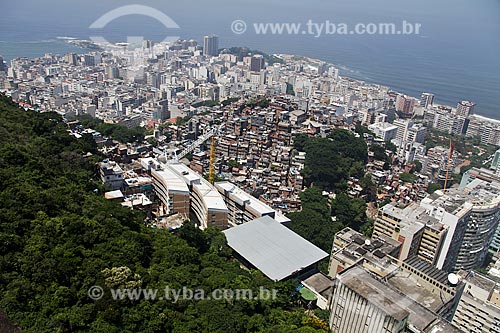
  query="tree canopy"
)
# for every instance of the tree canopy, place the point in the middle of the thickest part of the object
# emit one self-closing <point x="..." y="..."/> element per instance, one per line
<point x="314" y="222"/>
<point x="114" y="131"/>
<point x="58" y="238"/>
<point x="331" y="161"/>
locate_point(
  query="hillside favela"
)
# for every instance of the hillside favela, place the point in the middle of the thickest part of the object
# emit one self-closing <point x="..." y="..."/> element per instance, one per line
<point x="197" y="185"/>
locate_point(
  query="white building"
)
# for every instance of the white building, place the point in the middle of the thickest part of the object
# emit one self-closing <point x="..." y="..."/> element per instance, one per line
<point x="243" y="207"/>
<point x="111" y="175"/>
<point x="384" y="131"/>
<point x="478" y="310"/>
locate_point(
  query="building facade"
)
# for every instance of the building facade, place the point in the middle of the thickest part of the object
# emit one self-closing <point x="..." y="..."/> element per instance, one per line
<point x="478" y="310"/>
<point x="211" y="45"/>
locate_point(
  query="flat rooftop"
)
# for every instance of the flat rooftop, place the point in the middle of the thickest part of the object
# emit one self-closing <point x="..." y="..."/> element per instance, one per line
<point x="386" y="297"/>
<point x="428" y="269"/>
<point x="459" y="201"/>
<point x="408" y="285"/>
<point x="273" y="248"/>
<point x="171" y="180"/>
<point x="240" y="196"/>
<point x="189" y="176"/>
<point x="376" y="251"/>
<point x="117" y="194"/>
<point x="361" y="282"/>
<point x="442" y="326"/>
<point x="208" y="193"/>
<point x="484" y="282"/>
<point x="409" y="214"/>
<point x="320" y="283"/>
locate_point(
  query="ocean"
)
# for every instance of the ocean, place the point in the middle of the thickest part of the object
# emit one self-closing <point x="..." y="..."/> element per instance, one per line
<point x="456" y="56"/>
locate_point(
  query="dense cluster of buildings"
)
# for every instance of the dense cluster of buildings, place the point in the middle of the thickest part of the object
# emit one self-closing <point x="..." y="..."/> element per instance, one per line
<point x="158" y="82"/>
<point x="235" y="114"/>
<point x="452" y="230"/>
<point x="377" y="287"/>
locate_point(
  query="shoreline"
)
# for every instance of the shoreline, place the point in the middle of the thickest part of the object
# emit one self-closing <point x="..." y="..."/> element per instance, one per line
<point x="315" y="60"/>
<point x="96" y="47"/>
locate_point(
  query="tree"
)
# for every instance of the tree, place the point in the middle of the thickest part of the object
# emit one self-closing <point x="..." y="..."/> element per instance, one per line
<point x="299" y="141"/>
<point x="367" y="228"/>
<point x="313" y="222"/>
<point x="152" y="141"/>
<point x="369" y="188"/>
<point x="331" y="161"/>
<point x="433" y="187"/>
<point x="58" y="239"/>
<point x="407" y="177"/>
<point x="379" y="153"/>
<point x="418" y="165"/>
<point x="391" y="146"/>
<point x="232" y="164"/>
<point x="115" y="131"/>
<point x="348" y="211"/>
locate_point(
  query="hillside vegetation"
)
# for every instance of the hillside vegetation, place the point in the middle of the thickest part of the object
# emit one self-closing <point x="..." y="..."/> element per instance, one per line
<point x="59" y="237"/>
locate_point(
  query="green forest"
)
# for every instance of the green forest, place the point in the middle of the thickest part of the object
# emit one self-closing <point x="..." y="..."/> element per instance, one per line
<point x="59" y="237"/>
<point x="329" y="163"/>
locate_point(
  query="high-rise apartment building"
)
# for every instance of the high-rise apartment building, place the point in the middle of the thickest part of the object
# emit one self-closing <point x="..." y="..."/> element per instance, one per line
<point x="257" y="63"/>
<point x="432" y="233"/>
<point x="426" y="100"/>
<point x="452" y="230"/>
<point x="478" y="204"/>
<point x="405" y="105"/>
<point x="465" y="108"/>
<point x="211" y="45"/>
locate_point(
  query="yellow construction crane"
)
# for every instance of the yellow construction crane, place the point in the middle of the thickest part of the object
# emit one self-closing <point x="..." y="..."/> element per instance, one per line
<point x="211" y="170"/>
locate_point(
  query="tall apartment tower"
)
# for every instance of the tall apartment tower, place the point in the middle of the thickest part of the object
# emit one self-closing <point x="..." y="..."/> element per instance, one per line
<point x="465" y="108"/>
<point x="405" y="105"/>
<point x="211" y="45"/>
<point x="403" y="125"/>
<point x="71" y="58"/>
<point x="479" y="204"/>
<point x="257" y="63"/>
<point x="3" y="67"/>
<point x="426" y="100"/>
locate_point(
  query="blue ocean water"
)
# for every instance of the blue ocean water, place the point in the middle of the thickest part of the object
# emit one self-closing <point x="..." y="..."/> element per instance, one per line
<point x="456" y="56"/>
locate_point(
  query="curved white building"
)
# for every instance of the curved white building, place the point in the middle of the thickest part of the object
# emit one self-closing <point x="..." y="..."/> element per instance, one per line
<point x="207" y="207"/>
<point x="172" y="191"/>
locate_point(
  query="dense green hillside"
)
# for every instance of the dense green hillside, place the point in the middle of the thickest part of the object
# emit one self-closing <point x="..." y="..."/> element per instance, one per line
<point x="58" y="238"/>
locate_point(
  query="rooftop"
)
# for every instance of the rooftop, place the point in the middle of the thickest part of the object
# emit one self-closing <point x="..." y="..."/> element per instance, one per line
<point x="361" y="282"/>
<point x="273" y="248"/>
<point x="320" y="283"/>
<point x="386" y="297"/>
<point x="242" y="197"/>
<point x="428" y="269"/>
<point x="479" y="280"/>
<point x="378" y="252"/>
<point x="459" y="201"/>
<point x="442" y="326"/>
<point x="113" y="195"/>
<point x="409" y="286"/>
<point x="171" y="180"/>
<point x="211" y="197"/>
<point x="107" y="166"/>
